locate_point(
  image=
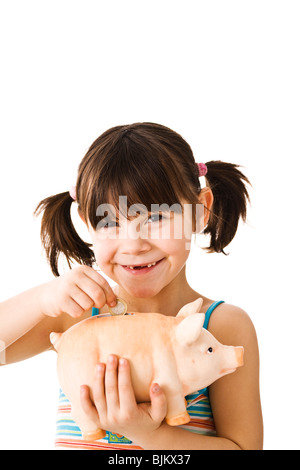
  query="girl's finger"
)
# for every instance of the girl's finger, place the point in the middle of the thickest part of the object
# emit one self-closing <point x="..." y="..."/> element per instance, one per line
<point x="158" y="408"/>
<point x="87" y="404"/>
<point x="88" y="294"/>
<point x="99" y="390"/>
<point x="94" y="290"/>
<point x="71" y="307"/>
<point x="81" y="297"/>
<point x="126" y="392"/>
<point x="111" y="384"/>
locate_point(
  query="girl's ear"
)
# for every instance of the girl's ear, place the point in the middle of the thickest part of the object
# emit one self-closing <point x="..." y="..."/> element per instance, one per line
<point x="206" y="199"/>
<point x="81" y="216"/>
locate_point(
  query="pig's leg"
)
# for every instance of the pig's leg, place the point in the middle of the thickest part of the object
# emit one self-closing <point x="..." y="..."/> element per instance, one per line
<point x="168" y="379"/>
<point x="94" y="435"/>
<point x="177" y="413"/>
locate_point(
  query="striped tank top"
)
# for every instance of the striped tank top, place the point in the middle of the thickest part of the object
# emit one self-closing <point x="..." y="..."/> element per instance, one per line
<point x="68" y="434"/>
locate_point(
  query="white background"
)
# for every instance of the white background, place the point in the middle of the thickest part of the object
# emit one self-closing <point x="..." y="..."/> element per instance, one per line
<point x="224" y="74"/>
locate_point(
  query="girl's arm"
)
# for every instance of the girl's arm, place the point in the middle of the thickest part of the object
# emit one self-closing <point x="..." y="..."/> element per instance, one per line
<point x="27" y="319"/>
<point x="20" y="314"/>
<point x="174" y="438"/>
<point x="234" y="398"/>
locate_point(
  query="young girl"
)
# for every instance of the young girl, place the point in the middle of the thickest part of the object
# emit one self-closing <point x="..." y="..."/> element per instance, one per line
<point x="142" y="172"/>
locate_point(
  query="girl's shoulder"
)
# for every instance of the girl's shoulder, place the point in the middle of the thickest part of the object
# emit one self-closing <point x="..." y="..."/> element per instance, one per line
<point x="230" y="324"/>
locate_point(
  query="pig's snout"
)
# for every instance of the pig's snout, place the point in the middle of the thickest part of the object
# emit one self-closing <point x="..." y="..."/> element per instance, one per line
<point x="239" y="354"/>
<point x="235" y="360"/>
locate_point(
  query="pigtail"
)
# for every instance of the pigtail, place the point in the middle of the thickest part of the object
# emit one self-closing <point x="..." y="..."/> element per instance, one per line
<point x="58" y="234"/>
<point x="227" y="183"/>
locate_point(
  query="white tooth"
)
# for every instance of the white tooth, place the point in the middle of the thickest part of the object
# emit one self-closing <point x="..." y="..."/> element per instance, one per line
<point x="148" y="266"/>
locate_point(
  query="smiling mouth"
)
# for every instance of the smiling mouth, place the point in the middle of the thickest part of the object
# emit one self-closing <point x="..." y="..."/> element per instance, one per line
<point x="141" y="267"/>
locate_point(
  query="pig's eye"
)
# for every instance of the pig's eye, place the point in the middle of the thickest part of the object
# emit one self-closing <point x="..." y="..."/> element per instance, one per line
<point x="210" y="350"/>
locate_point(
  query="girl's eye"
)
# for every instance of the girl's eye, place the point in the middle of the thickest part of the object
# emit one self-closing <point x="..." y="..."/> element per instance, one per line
<point x="155" y="218"/>
<point x="210" y="350"/>
<point x="107" y="224"/>
<point x="111" y="224"/>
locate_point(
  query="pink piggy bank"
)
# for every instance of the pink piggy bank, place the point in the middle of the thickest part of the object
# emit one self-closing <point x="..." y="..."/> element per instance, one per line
<point x="176" y="352"/>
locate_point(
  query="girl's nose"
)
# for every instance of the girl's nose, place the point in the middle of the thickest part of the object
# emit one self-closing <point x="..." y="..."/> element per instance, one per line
<point x="135" y="246"/>
<point x="134" y="237"/>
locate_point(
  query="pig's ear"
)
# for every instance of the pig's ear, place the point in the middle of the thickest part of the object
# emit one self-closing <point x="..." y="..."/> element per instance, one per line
<point x="189" y="329"/>
<point x="55" y="339"/>
<point x="192" y="307"/>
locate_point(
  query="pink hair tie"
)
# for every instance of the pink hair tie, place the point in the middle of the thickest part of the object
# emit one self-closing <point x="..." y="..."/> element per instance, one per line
<point x="202" y="169"/>
<point x="72" y="193"/>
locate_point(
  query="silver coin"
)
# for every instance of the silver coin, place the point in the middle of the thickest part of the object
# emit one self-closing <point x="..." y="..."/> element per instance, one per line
<point x="119" y="309"/>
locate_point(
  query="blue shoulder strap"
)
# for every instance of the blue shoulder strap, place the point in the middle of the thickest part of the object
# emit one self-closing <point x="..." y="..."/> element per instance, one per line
<point x="95" y="311"/>
<point x="209" y="311"/>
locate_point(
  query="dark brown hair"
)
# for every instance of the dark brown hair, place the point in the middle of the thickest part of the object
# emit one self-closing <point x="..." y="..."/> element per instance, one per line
<point x="150" y="164"/>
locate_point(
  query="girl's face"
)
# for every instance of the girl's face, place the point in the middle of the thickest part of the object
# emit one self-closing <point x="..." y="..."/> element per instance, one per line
<point x="143" y="253"/>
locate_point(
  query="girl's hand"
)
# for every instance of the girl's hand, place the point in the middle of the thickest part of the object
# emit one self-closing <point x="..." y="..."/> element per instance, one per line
<point x="76" y="292"/>
<point x="115" y="408"/>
